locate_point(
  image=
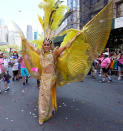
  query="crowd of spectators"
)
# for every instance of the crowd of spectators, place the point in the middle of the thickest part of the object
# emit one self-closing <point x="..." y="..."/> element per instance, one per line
<point x="15" y="64"/>
<point x="108" y="64"/>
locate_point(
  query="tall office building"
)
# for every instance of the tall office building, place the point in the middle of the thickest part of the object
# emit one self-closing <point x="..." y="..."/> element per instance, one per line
<point x="73" y="20"/>
<point x="89" y="8"/>
<point x="14" y="38"/>
<point x="35" y="35"/>
<point x="3" y="33"/>
<point x="29" y="32"/>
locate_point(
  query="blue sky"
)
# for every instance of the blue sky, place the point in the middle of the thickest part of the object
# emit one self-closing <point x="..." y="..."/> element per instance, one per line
<point x="22" y="12"/>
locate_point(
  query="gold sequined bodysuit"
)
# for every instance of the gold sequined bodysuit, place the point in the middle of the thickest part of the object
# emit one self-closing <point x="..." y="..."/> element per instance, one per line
<point x="48" y="80"/>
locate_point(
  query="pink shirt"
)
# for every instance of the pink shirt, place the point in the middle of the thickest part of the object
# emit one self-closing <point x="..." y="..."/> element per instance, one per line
<point x="100" y="59"/>
<point x="121" y="60"/>
<point x="22" y="64"/>
<point x="105" y="62"/>
<point x="1" y="64"/>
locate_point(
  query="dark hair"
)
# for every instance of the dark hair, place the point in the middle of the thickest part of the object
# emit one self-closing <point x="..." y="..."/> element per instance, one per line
<point x="1" y="55"/>
<point x="48" y="40"/>
<point x="106" y="55"/>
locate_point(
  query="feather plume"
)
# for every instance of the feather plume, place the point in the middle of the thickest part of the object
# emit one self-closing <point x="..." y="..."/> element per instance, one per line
<point x="58" y="16"/>
<point x="41" y="22"/>
<point x="67" y="14"/>
<point x="47" y="6"/>
<point x="38" y="43"/>
<point x="55" y="13"/>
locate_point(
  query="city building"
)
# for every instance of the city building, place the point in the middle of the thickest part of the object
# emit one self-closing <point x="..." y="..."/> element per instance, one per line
<point x="3" y="33"/>
<point x="14" y="38"/>
<point x="84" y="11"/>
<point x="29" y="32"/>
<point x="35" y="35"/>
<point x="7" y="36"/>
<point x="73" y="20"/>
<point x="116" y="36"/>
<point x="119" y="8"/>
<point x="89" y="8"/>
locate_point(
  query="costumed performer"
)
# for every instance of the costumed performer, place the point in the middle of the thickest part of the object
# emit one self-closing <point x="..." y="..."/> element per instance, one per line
<point x="72" y="60"/>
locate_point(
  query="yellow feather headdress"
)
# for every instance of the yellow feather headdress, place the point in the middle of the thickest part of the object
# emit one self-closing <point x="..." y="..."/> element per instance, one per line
<point x="54" y="15"/>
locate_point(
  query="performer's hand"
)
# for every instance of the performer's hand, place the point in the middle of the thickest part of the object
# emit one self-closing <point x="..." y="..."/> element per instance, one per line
<point x="78" y="33"/>
<point x="24" y="39"/>
<point x="38" y="51"/>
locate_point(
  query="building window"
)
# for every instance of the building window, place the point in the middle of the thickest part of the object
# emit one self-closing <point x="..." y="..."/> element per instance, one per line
<point x="119" y="10"/>
<point x="93" y="2"/>
<point x="85" y="1"/>
<point x="74" y="4"/>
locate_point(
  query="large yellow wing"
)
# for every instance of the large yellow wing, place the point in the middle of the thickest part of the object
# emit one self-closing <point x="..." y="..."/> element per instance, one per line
<point x="75" y="62"/>
<point x="30" y="56"/>
<point x="31" y="59"/>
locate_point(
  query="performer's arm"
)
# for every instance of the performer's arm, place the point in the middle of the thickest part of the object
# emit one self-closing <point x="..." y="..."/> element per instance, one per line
<point x="60" y="50"/>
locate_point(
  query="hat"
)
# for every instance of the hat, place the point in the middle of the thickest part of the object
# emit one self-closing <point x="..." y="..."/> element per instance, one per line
<point x="106" y="53"/>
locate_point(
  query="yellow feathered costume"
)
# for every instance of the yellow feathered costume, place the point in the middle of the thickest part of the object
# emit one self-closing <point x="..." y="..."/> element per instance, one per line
<point x="74" y="63"/>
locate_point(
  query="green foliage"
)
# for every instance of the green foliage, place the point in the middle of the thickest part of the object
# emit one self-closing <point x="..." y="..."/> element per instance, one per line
<point x="6" y="48"/>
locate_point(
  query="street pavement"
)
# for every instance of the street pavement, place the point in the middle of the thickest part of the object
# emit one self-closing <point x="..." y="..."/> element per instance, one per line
<point x="82" y="106"/>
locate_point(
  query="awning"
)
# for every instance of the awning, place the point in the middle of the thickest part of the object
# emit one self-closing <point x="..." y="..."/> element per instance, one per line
<point x="113" y="23"/>
<point x="59" y="39"/>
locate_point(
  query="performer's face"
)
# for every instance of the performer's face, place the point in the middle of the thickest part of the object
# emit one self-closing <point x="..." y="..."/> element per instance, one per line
<point x="46" y="46"/>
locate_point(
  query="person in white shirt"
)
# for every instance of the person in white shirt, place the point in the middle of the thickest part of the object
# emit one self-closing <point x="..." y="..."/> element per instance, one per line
<point x="6" y="61"/>
<point x="3" y="74"/>
<point x="15" y="69"/>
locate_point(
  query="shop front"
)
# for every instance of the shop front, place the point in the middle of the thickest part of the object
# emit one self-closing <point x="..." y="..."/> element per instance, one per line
<point x="116" y="36"/>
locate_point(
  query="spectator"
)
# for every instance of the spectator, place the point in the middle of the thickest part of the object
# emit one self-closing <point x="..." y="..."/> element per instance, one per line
<point x="15" y="69"/>
<point x="6" y="62"/>
<point x="105" y="65"/>
<point x="3" y="74"/>
<point x="120" y="66"/>
<point x="24" y="71"/>
<point x="94" y="68"/>
<point x="19" y="68"/>
<point x="101" y="57"/>
<point x="1" y="69"/>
